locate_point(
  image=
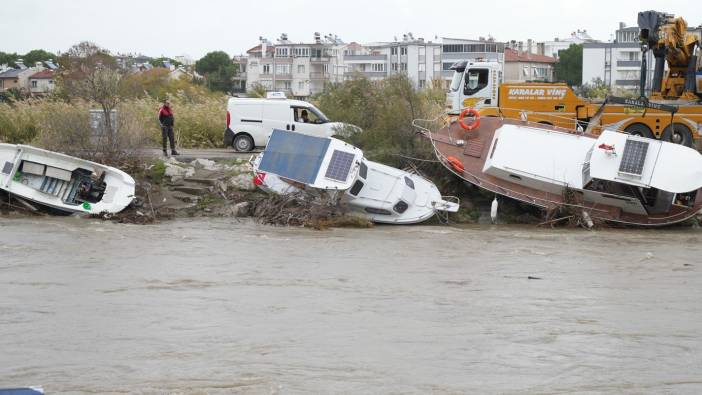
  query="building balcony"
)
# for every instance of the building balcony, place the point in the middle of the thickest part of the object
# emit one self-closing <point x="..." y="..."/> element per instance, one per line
<point x="323" y="59"/>
<point x="319" y="76"/>
<point x="628" y="63"/>
<point x="367" y="74"/>
<point x="364" y="58"/>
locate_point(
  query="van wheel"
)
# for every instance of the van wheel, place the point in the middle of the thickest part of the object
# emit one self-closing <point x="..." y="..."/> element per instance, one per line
<point x="677" y="133"/>
<point x="639" y="129"/>
<point x="243" y="143"/>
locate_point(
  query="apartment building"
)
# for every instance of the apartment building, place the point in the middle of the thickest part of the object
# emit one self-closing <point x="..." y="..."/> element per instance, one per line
<point x="241" y="62"/>
<point x="302" y="69"/>
<point x="618" y="63"/>
<point x="526" y="66"/>
<point x="299" y="68"/>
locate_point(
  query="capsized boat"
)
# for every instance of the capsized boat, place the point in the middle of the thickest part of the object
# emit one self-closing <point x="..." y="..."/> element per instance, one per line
<point x="22" y="391"/>
<point x="298" y="164"/>
<point x="62" y="182"/>
<point x="613" y="177"/>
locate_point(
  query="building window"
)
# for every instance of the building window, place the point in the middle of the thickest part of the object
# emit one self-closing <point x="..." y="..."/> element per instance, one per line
<point x="394" y="67"/>
<point x="422" y="67"/>
<point x="403" y="66"/>
<point x="403" y="51"/>
<point x="325" y="68"/>
<point x="281" y="52"/>
<point x="301" y="69"/>
<point x="447" y="66"/>
<point x="282" y="69"/>
<point x="51" y="82"/>
<point x="422" y="84"/>
<point x="301" y="85"/>
<point x="266" y="69"/>
<point x="301" y="52"/>
<point x="393" y="51"/>
<point x="422" y="51"/>
<point x="378" y="67"/>
<point x="34" y="83"/>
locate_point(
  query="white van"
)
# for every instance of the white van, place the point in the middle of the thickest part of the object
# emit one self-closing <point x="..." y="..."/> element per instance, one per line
<point x="250" y="122"/>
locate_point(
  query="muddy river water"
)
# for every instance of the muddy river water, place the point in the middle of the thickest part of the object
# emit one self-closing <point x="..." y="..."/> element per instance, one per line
<point x="220" y="306"/>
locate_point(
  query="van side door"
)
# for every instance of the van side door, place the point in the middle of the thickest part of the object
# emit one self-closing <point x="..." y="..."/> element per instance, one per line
<point x="276" y="115"/>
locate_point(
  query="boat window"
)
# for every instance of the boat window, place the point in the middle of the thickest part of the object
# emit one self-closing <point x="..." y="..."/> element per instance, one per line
<point x="356" y="188"/>
<point x="409" y="182"/>
<point x="380" y="211"/>
<point x="363" y="172"/>
<point x="400" y="207"/>
<point x="456" y="82"/>
<point x="476" y="80"/>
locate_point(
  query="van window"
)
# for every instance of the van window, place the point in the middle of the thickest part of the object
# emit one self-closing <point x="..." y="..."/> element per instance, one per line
<point x="476" y="80"/>
<point x="312" y="115"/>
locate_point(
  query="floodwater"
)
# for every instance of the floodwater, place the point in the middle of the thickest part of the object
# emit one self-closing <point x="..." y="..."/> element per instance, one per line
<point x="219" y="307"/>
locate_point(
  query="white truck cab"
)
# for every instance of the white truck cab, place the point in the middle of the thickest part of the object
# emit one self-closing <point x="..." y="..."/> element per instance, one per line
<point x="250" y="121"/>
<point x="474" y="85"/>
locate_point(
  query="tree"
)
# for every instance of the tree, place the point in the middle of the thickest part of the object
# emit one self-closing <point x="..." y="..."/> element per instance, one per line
<point x="219" y="71"/>
<point x="37" y="55"/>
<point x="8" y="58"/>
<point x="158" y="62"/>
<point x="91" y="73"/>
<point x="570" y="65"/>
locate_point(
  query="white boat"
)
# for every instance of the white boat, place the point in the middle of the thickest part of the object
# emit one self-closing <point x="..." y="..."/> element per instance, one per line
<point x="613" y="177"/>
<point x="385" y="194"/>
<point x="380" y="193"/>
<point x="63" y="182"/>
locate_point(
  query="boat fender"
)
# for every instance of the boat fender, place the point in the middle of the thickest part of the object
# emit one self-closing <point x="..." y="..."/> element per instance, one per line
<point x="456" y="164"/>
<point x="493" y="210"/>
<point x="588" y="220"/>
<point x="476" y="119"/>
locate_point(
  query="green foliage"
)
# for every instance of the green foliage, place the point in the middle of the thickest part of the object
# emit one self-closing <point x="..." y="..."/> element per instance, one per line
<point x="37" y="55"/>
<point x="8" y="58"/>
<point x="595" y="89"/>
<point x="569" y="68"/>
<point x="158" y="62"/>
<point x="157" y="171"/>
<point x="257" y="90"/>
<point x="219" y="71"/>
<point x="18" y="123"/>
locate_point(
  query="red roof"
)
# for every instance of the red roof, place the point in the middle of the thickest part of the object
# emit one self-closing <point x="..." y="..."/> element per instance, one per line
<point x="43" y="75"/>
<point x="512" y="55"/>
<point x="269" y="49"/>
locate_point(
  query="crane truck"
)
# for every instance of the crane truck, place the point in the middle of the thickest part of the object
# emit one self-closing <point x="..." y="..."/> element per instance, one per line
<point x="672" y="112"/>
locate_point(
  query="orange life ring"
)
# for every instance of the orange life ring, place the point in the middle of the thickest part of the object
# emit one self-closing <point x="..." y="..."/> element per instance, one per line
<point x="456" y="164"/>
<point x="476" y="119"/>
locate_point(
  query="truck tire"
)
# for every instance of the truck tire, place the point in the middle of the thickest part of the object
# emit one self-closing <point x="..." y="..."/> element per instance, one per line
<point x="681" y="135"/>
<point x="639" y="129"/>
<point x="243" y="143"/>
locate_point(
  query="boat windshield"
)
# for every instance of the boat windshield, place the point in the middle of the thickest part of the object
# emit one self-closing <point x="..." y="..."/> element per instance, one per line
<point x="456" y="82"/>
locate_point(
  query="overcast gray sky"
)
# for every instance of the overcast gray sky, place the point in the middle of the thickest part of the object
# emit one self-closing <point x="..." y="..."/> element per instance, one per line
<point x="176" y="27"/>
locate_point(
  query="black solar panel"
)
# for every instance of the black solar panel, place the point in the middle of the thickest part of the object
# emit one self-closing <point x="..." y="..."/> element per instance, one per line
<point x="339" y="166"/>
<point x="634" y="157"/>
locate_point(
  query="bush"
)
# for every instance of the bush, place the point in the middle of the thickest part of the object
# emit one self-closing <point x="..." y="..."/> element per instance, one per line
<point x="18" y="122"/>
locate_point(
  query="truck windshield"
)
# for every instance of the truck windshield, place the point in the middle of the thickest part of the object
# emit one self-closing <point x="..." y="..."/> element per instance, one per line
<point x="456" y="82"/>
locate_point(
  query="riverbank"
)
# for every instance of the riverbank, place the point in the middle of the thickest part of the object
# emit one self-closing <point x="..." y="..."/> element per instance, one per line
<point x="187" y="187"/>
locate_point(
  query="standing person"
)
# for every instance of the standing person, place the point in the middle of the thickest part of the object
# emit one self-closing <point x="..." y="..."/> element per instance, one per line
<point x="165" y="118"/>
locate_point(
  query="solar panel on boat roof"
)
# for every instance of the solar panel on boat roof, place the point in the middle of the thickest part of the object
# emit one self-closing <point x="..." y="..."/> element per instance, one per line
<point x="339" y="165"/>
<point x="634" y="157"/>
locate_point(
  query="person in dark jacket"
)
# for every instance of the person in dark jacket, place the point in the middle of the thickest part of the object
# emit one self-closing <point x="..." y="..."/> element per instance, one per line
<point x="165" y="118"/>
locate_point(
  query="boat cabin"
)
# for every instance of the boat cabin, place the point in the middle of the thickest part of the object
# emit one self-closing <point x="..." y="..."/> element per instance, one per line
<point x="638" y="175"/>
